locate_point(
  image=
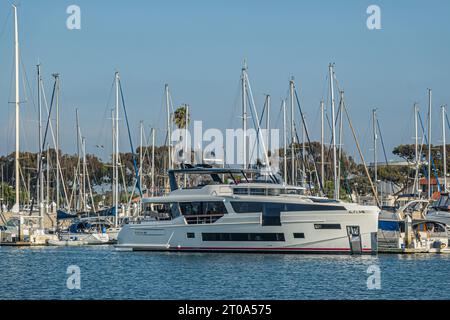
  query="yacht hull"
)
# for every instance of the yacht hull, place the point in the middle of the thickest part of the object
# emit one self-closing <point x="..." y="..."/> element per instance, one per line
<point x="300" y="232"/>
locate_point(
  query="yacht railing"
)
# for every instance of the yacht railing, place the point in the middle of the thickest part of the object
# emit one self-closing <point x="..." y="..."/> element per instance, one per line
<point x="202" y="218"/>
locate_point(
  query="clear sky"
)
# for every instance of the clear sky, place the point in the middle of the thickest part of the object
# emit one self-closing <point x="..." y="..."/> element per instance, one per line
<point x="198" y="47"/>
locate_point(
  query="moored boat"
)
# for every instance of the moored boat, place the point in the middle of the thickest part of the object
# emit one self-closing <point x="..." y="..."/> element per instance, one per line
<point x="253" y="216"/>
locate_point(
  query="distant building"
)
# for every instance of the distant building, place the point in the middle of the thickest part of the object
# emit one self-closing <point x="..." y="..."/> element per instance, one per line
<point x="435" y="187"/>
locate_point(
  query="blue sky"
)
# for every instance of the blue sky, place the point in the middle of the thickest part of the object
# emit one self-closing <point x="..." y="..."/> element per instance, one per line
<point x="198" y="48"/>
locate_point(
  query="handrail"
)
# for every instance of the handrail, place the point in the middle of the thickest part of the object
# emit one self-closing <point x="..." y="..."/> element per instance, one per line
<point x="202" y="217"/>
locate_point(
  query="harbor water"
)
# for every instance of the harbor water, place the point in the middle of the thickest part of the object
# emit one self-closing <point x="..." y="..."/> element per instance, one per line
<point x="104" y="273"/>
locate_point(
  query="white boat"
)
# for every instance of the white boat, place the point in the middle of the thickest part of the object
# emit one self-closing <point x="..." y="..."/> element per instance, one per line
<point x="65" y="243"/>
<point x="88" y="238"/>
<point x="409" y="230"/>
<point x="440" y="210"/>
<point x="249" y="217"/>
<point x="97" y="238"/>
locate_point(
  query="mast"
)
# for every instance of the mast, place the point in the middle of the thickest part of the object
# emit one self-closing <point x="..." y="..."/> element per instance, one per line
<point x="244" y="114"/>
<point x="80" y="196"/>
<point x="341" y="103"/>
<point x="333" y="129"/>
<point x="56" y="76"/>
<point x="291" y="90"/>
<point x="303" y="154"/>
<point x="375" y="137"/>
<point x="186" y="152"/>
<point x="113" y="161"/>
<point x="116" y="132"/>
<point x="16" y="207"/>
<point x="444" y="148"/>
<point x="429" y="143"/>
<point x="284" y="142"/>
<point x="322" y="149"/>
<point x="141" y="154"/>
<point x="48" y="178"/>
<point x="268" y="123"/>
<point x="186" y="129"/>
<point x="416" y="177"/>
<point x="153" y="161"/>
<point x="169" y="133"/>
<point x="40" y="184"/>
<point x="83" y="146"/>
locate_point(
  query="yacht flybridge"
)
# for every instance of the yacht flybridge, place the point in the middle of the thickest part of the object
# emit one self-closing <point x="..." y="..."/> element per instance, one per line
<point x="231" y="212"/>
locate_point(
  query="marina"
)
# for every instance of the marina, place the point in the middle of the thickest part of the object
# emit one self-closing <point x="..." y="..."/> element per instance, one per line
<point x="252" y="207"/>
<point x="217" y="159"/>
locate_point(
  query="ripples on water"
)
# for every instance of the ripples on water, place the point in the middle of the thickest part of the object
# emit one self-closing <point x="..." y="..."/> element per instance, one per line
<point x="40" y="273"/>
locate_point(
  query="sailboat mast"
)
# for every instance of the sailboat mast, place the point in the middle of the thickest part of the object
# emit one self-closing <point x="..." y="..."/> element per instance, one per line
<point x="48" y="178"/>
<point x="80" y="196"/>
<point x="56" y="76"/>
<point x="113" y="161"/>
<point x="429" y="143"/>
<point x="284" y="142"/>
<point x="83" y="145"/>
<point x="322" y="148"/>
<point x="333" y="129"/>
<point x="341" y="103"/>
<point x="153" y="161"/>
<point x="141" y="154"/>
<point x="116" y="151"/>
<point x="40" y="184"/>
<point x="291" y="90"/>
<point x="444" y="148"/>
<point x="169" y="133"/>
<point x="268" y="123"/>
<point x="16" y="207"/>
<point x="244" y="114"/>
<point x="186" y="154"/>
<point x="375" y="137"/>
<point x="303" y="153"/>
<point x="416" y="128"/>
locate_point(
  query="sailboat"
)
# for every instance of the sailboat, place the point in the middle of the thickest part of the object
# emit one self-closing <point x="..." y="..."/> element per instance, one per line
<point x="88" y="225"/>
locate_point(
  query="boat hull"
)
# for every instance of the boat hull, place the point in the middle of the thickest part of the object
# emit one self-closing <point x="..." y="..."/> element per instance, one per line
<point x="298" y="233"/>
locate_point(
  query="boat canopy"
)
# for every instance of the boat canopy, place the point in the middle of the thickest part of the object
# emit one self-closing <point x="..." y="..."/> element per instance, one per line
<point x="63" y="215"/>
<point x="214" y="173"/>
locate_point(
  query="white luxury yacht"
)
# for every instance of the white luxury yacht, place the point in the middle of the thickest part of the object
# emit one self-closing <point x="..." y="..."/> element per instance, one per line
<point x="231" y="213"/>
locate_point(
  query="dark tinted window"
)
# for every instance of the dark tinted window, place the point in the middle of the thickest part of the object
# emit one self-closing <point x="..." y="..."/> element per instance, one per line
<point x="243" y="237"/>
<point x="215" y="207"/>
<point x="327" y="226"/>
<point x="190" y="235"/>
<point x="191" y="208"/>
<point x="246" y="207"/>
<point x="249" y="207"/>
<point x="201" y="208"/>
<point x="271" y="214"/>
<point x="299" y="235"/>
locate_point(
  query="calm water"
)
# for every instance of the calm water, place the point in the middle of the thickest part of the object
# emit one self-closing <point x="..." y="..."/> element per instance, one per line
<point x="40" y="273"/>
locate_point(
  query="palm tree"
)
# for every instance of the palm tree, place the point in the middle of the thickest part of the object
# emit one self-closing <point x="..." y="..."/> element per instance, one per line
<point x="179" y="117"/>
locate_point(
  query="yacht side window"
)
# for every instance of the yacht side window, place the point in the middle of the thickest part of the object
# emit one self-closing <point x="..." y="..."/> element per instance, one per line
<point x="214" y="207"/>
<point x="191" y="208"/>
<point x="162" y="211"/>
<point x="202" y="208"/>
